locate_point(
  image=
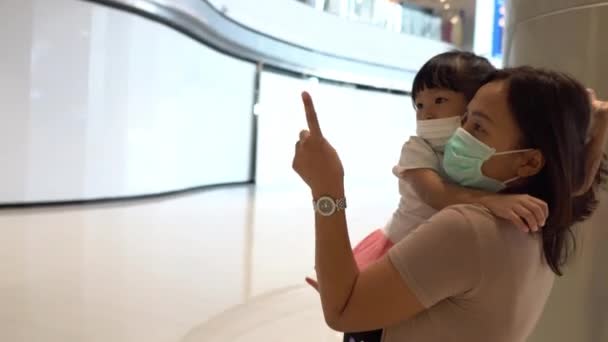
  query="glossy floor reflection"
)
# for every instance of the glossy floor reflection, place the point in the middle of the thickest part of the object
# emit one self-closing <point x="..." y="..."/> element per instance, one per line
<point x="221" y="265"/>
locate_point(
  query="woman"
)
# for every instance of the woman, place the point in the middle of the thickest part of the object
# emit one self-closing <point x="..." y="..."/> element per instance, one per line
<point x="464" y="275"/>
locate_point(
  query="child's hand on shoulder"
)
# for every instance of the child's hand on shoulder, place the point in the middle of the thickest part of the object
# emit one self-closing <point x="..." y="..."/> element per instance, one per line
<point x="599" y="107"/>
<point x="527" y="213"/>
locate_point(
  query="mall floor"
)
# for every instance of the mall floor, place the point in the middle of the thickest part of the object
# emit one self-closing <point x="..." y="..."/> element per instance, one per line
<point x="218" y="265"/>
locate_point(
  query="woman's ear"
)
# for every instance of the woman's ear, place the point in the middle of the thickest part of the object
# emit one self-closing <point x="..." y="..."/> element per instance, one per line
<point x="531" y="163"/>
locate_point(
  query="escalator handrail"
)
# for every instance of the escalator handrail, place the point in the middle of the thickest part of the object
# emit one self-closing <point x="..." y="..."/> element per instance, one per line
<point x="201" y="21"/>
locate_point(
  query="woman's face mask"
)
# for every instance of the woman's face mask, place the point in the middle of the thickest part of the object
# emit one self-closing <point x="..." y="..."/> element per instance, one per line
<point x="463" y="158"/>
<point x="437" y="131"/>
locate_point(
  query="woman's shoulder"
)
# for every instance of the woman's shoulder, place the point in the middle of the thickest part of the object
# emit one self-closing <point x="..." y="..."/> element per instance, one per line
<point x="471" y="228"/>
<point x="477" y="221"/>
<point x="495" y="238"/>
<point x="468" y="215"/>
<point x="459" y="224"/>
<point x="471" y="212"/>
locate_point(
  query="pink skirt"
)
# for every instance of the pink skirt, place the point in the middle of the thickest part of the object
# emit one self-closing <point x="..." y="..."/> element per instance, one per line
<point x="372" y="248"/>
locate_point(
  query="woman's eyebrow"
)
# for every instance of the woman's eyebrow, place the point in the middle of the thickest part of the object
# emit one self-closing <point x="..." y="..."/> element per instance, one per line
<point x="481" y="115"/>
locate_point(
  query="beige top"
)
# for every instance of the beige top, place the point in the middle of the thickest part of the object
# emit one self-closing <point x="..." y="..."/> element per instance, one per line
<point x="480" y="278"/>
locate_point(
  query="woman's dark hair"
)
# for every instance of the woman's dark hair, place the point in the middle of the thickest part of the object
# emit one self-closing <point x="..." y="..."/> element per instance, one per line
<point x="553" y="111"/>
<point x="463" y="72"/>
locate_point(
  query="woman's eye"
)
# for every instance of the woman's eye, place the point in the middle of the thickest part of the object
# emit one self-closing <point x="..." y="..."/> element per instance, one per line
<point x="477" y="128"/>
<point x="440" y="100"/>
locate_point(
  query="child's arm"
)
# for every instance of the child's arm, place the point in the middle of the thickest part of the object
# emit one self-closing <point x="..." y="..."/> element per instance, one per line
<point x="526" y="212"/>
<point x="598" y="138"/>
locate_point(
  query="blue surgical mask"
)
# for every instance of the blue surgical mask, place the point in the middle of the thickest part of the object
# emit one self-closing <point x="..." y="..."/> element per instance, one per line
<point x="463" y="158"/>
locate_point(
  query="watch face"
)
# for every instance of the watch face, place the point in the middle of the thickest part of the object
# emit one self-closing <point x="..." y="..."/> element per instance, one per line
<point x="326" y="206"/>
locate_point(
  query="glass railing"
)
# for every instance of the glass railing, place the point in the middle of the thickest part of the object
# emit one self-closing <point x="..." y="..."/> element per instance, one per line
<point x="398" y="16"/>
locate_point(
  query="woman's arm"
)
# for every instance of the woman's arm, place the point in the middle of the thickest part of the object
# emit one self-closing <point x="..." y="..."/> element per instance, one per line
<point x="351" y="300"/>
<point x="440" y="262"/>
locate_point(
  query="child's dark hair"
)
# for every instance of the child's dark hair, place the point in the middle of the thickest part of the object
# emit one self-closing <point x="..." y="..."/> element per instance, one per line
<point x="459" y="71"/>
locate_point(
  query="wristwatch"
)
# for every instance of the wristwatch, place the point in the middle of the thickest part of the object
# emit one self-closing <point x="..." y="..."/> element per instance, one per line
<point x="327" y="206"/>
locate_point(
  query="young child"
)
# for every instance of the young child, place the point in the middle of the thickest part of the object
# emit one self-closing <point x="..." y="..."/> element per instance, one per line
<point x="441" y="91"/>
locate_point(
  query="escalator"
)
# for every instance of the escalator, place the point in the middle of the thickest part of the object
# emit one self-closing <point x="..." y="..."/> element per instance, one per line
<point x="122" y="99"/>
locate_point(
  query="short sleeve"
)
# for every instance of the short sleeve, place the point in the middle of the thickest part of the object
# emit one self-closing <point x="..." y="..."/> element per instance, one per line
<point x="417" y="154"/>
<point x="440" y="259"/>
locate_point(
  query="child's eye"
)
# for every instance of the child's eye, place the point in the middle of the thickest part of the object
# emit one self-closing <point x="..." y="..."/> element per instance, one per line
<point x="440" y="100"/>
<point x="419" y="105"/>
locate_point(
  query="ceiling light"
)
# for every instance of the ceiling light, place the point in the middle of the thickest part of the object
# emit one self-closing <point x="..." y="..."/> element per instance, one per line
<point x="446" y="6"/>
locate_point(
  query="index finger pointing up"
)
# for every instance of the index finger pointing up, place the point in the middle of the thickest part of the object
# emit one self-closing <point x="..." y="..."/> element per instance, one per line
<point x="311" y="115"/>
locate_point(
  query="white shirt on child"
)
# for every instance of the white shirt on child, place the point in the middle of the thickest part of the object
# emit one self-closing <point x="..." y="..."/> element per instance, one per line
<point x="416" y="153"/>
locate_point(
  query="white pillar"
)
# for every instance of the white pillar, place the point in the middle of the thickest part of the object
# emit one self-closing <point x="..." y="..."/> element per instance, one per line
<point x="567" y="35"/>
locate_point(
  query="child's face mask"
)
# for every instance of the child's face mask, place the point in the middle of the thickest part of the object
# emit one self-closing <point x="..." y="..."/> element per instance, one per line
<point x="437" y="131"/>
